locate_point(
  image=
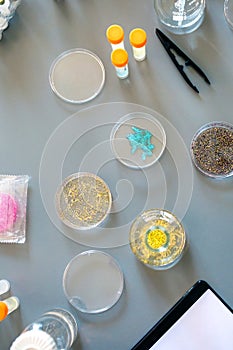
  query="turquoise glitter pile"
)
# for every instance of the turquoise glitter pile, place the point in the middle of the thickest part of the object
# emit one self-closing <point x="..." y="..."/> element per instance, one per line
<point x="141" y="140"/>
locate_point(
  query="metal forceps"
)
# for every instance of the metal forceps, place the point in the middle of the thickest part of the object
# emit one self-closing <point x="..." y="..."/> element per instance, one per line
<point x="169" y="46"/>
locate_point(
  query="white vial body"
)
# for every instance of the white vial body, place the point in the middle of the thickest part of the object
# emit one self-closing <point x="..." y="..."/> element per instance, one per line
<point x="118" y="46"/>
<point x="139" y="53"/>
<point x="12" y="304"/>
<point x="122" y="72"/>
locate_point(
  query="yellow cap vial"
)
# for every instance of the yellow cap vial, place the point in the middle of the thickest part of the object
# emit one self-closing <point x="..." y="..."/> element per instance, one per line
<point x="138" y="39"/>
<point x="115" y="36"/>
<point x="120" y="59"/>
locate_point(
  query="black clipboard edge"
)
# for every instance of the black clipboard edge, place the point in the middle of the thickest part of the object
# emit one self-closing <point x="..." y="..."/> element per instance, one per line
<point x="173" y="314"/>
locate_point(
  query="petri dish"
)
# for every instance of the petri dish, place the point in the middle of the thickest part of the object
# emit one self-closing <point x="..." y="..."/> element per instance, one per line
<point x="212" y="149"/>
<point x="83" y="201"/>
<point x="138" y="140"/>
<point x="93" y="281"/>
<point x="157" y="239"/>
<point x="77" y="76"/>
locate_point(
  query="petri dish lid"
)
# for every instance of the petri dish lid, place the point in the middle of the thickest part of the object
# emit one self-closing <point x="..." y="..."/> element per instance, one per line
<point x="93" y="281"/>
<point x="138" y="140"/>
<point x="77" y="76"/>
<point x="83" y="201"/>
<point x="212" y="149"/>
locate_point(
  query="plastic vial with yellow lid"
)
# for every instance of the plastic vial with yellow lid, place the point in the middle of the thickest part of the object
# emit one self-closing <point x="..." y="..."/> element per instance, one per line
<point x="138" y="39"/>
<point x="119" y="59"/>
<point x="7" y="306"/>
<point x="115" y="36"/>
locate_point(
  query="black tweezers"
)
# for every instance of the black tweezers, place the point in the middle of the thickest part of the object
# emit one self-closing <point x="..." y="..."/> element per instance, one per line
<point x="169" y="45"/>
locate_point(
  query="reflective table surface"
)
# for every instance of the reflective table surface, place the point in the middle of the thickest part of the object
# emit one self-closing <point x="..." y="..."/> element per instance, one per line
<point x="49" y="139"/>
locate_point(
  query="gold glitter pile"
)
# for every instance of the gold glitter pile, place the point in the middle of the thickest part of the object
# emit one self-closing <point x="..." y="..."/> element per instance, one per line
<point x="85" y="201"/>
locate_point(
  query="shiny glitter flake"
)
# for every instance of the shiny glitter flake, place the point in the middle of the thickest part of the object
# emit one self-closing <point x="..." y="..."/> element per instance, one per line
<point x="141" y="139"/>
<point x="85" y="201"/>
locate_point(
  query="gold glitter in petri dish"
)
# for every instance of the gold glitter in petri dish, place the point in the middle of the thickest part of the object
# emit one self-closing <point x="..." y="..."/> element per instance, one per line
<point x="157" y="239"/>
<point x="83" y="201"/>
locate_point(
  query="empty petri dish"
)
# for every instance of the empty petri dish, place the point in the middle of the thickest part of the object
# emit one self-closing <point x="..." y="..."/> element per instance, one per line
<point x="77" y="76"/>
<point x="157" y="239"/>
<point x="138" y="140"/>
<point x="212" y="149"/>
<point x="83" y="201"/>
<point x="93" y="281"/>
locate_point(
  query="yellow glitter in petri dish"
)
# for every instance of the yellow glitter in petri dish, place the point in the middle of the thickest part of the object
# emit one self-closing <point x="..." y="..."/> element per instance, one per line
<point x="83" y="201"/>
<point x="156" y="238"/>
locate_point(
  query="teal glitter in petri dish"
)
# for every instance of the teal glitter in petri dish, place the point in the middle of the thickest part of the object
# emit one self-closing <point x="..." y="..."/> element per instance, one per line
<point x="141" y="139"/>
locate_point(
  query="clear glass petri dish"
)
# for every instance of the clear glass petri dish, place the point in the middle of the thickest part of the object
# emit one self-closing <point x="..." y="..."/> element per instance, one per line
<point x="212" y="149"/>
<point x="93" y="282"/>
<point x="77" y="76"/>
<point x="158" y="239"/>
<point x="83" y="201"/>
<point x="138" y="140"/>
<point x="228" y="12"/>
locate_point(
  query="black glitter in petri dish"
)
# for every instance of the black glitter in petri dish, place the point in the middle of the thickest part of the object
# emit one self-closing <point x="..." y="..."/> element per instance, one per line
<point x="212" y="149"/>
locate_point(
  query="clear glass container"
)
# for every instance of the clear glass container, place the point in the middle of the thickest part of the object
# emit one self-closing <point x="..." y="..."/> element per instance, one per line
<point x="212" y="149"/>
<point x="93" y="281"/>
<point x="83" y="201"/>
<point x="55" y="330"/>
<point x="7" y="10"/>
<point x="158" y="239"/>
<point x="228" y="12"/>
<point x="180" y="16"/>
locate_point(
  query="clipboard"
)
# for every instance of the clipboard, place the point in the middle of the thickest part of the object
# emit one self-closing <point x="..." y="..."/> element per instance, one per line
<point x="200" y="319"/>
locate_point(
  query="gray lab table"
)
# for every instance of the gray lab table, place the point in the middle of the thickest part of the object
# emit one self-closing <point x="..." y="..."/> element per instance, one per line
<point x="32" y="119"/>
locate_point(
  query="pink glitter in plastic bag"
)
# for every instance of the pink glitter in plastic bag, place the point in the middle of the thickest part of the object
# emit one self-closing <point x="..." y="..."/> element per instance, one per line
<point x="13" y="203"/>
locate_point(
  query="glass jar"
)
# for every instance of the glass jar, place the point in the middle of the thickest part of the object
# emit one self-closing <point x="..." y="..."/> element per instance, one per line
<point x="54" y="330"/>
<point x="228" y="12"/>
<point x="180" y="16"/>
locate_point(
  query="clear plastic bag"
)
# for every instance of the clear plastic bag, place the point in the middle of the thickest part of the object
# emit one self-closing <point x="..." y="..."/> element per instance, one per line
<point x="13" y="205"/>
